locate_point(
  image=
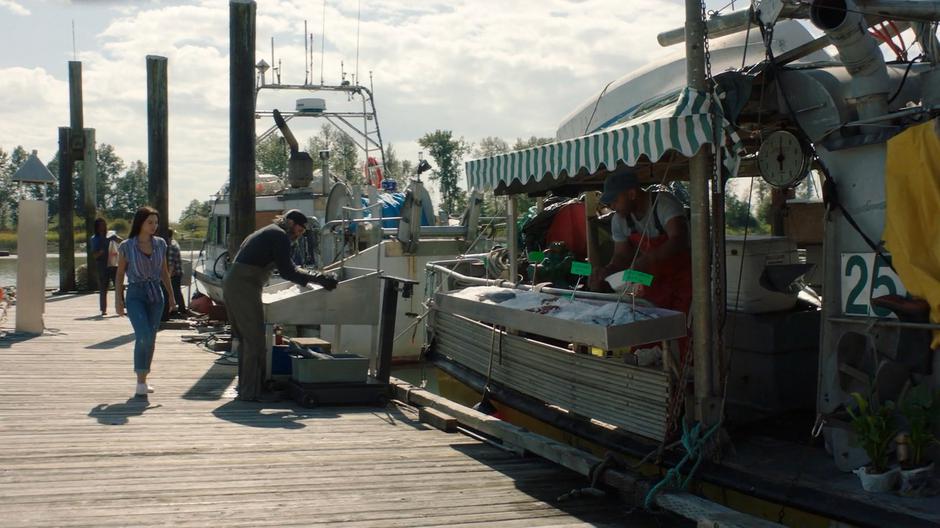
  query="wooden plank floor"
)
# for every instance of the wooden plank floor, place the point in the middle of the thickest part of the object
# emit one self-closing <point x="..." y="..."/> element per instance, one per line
<point x="77" y="449"/>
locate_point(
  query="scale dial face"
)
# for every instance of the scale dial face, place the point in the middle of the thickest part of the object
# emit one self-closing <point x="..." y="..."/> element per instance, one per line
<point x="782" y="159"/>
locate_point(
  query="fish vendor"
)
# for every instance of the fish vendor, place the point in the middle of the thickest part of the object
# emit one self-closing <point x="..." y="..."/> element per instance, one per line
<point x="651" y="235"/>
<point x="259" y="254"/>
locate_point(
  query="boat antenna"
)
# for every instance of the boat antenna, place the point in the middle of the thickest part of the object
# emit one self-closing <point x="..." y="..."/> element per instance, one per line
<point x="322" y="43"/>
<point x="358" y="23"/>
<point x="310" y="57"/>
<point x="74" y="48"/>
<point x="306" y="57"/>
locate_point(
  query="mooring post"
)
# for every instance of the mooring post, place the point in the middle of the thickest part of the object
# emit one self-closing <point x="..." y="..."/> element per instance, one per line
<point x="89" y="203"/>
<point x="76" y="119"/>
<point x="66" y="240"/>
<point x="157" y="141"/>
<point x="241" y="121"/>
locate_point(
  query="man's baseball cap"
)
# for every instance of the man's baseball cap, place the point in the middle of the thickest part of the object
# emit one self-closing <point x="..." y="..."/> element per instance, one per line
<point x="617" y="183"/>
<point x="297" y="217"/>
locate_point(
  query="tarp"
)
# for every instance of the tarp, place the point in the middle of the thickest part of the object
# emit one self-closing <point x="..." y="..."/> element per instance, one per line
<point x="912" y="228"/>
<point x="682" y="124"/>
<point x="391" y="207"/>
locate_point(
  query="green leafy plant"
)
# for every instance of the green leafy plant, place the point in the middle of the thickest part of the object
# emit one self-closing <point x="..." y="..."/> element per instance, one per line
<point x="921" y="409"/>
<point x="874" y="426"/>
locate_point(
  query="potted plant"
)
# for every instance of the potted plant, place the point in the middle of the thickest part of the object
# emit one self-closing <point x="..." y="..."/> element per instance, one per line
<point x="874" y="426"/>
<point x="921" y="409"/>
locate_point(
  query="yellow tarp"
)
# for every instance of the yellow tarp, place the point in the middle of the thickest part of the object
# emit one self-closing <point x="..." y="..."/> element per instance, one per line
<point x="912" y="212"/>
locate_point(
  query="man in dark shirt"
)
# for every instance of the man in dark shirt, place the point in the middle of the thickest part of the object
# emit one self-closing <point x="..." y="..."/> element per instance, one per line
<point x="259" y="254"/>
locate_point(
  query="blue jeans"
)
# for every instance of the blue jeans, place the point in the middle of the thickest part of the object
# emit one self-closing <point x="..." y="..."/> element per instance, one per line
<point x="145" y="318"/>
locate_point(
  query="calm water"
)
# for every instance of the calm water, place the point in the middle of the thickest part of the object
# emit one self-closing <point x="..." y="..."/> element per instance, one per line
<point x="8" y="268"/>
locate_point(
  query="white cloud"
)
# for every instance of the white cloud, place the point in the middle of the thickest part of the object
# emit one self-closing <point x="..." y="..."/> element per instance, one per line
<point x="476" y="67"/>
<point x="15" y="7"/>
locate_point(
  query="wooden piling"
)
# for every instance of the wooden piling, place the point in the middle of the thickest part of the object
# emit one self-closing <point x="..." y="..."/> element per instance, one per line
<point x="90" y="199"/>
<point x="158" y="140"/>
<point x="76" y="119"/>
<point x="66" y="240"/>
<point x="241" y="121"/>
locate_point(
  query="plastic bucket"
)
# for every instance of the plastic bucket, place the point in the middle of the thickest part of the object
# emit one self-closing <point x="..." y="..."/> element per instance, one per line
<point x="280" y="361"/>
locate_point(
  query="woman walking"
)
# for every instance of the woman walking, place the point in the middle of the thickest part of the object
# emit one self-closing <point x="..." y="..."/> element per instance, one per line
<point x="142" y="259"/>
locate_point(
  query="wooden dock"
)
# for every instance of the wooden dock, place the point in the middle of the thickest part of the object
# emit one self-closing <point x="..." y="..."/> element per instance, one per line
<point x="77" y="449"/>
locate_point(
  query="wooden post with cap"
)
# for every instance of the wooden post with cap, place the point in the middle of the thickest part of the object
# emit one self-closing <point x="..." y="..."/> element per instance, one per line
<point x="241" y="121"/>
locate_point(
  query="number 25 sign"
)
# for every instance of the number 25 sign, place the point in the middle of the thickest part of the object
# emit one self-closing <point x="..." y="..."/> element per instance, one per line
<point x="864" y="276"/>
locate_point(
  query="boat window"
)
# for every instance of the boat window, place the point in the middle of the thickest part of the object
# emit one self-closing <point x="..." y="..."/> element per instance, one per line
<point x="211" y="234"/>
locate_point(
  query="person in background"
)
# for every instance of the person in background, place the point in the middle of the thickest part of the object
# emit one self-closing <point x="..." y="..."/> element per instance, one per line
<point x="651" y="235"/>
<point x="101" y="251"/>
<point x="174" y="259"/>
<point x="142" y="260"/>
<point x="259" y="254"/>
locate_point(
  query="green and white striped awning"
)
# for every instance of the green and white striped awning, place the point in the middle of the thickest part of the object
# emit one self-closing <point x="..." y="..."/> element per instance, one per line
<point x="682" y="126"/>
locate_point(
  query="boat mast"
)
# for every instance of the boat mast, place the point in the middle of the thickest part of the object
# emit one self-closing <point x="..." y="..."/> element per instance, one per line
<point x="700" y="170"/>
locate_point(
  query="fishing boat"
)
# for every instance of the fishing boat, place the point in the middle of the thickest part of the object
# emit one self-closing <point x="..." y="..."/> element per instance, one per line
<point x="783" y="378"/>
<point x="373" y="225"/>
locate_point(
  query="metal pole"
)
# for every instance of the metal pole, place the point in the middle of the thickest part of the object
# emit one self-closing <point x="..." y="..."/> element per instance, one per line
<point x="512" y="236"/>
<point x="89" y="179"/>
<point x="66" y="240"/>
<point x="700" y="170"/>
<point x="241" y="121"/>
<point x="383" y="361"/>
<point x="158" y="140"/>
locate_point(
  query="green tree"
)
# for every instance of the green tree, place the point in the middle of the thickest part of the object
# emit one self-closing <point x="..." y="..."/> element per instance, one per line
<point x="407" y="171"/>
<point x="7" y="192"/>
<point x="130" y="191"/>
<point x="491" y="146"/>
<point x="392" y="164"/>
<point x="110" y="167"/>
<point x="533" y="141"/>
<point x="400" y="170"/>
<point x="272" y="156"/>
<point x="190" y="210"/>
<point x="738" y="216"/>
<point x="195" y="215"/>
<point x="344" y="158"/>
<point x="448" y="154"/>
<point x="317" y="143"/>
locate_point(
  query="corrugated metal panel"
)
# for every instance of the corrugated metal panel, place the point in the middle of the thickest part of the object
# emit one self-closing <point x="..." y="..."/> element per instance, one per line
<point x="608" y="390"/>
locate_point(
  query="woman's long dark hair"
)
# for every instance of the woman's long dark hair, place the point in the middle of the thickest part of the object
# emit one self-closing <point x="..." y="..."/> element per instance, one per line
<point x="140" y="217"/>
<point x="100" y="222"/>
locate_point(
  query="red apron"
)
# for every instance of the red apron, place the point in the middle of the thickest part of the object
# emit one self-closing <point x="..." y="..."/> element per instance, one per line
<point x="672" y="281"/>
<point x="672" y="278"/>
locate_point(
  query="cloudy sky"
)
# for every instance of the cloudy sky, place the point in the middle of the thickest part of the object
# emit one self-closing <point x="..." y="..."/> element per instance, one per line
<point x="507" y="68"/>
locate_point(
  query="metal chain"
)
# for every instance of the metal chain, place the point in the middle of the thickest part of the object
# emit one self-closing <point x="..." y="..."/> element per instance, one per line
<point x="677" y="398"/>
<point x="708" y="56"/>
<point x="717" y="186"/>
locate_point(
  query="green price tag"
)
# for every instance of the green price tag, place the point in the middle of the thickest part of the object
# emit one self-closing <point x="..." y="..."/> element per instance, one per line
<point x="581" y="268"/>
<point x="536" y="257"/>
<point x="638" y="277"/>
